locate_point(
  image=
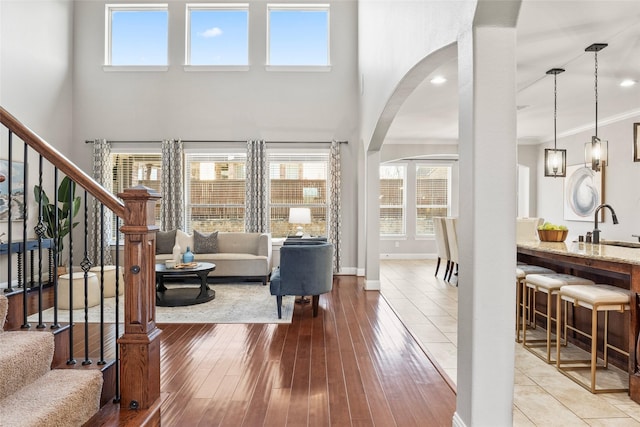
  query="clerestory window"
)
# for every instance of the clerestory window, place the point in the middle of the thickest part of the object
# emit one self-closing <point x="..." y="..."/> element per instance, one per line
<point x="217" y="34"/>
<point x="136" y="35"/>
<point x="298" y="35"/>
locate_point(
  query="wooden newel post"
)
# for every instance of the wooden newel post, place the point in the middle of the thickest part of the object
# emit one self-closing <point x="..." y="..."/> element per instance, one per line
<point x="140" y="343"/>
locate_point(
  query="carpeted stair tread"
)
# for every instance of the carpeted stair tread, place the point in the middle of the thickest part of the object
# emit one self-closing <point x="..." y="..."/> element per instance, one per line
<point x="24" y="356"/>
<point x="4" y="306"/>
<point x="60" y="398"/>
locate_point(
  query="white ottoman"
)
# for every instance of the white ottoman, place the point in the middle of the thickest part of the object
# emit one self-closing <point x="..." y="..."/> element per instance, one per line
<point x="109" y="280"/>
<point x="93" y="290"/>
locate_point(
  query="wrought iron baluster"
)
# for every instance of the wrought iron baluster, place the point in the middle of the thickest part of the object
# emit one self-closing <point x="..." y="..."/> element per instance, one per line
<point x="56" y="254"/>
<point x="40" y="230"/>
<point x="86" y="266"/>
<point x="71" y="361"/>
<point x="102" y="249"/>
<point x="117" y="320"/>
<point x="9" y="212"/>
<point x="25" y="300"/>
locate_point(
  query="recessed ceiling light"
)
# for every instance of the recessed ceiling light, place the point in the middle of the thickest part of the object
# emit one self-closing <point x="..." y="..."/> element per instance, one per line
<point x="628" y="82"/>
<point x="438" y="80"/>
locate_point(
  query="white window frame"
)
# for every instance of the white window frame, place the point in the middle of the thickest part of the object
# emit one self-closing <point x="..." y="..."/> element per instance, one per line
<point x="219" y="7"/>
<point x="188" y="205"/>
<point x="449" y="167"/>
<point x="322" y="155"/>
<point x="403" y="233"/>
<point x="114" y="7"/>
<point x="299" y="7"/>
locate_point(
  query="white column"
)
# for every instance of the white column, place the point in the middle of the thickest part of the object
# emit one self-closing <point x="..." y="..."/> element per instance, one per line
<point x="486" y="301"/>
<point x="372" y="221"/>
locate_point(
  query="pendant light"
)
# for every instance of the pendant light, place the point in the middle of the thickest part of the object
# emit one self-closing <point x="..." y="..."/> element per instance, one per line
<point x="595" y="152"/>
<point x="555" y="161"/>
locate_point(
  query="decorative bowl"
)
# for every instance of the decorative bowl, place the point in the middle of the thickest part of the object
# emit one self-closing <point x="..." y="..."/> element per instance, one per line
<point x="552" y="235"/>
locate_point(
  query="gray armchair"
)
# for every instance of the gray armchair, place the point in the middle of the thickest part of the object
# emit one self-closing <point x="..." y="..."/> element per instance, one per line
<point x="304" y="270"/>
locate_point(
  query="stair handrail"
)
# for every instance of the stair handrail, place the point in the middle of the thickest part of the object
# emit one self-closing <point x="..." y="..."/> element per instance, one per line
<point x="56" y="158"/>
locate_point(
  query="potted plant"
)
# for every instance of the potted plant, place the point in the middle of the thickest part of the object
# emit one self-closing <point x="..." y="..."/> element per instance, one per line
<point x="66" y="212"/>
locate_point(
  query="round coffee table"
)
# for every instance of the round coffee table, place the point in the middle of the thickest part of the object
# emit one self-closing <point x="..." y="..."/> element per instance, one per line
<point x="181" y="296"/>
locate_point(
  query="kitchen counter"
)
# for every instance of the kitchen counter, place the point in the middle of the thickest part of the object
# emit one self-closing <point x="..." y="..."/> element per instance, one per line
<point x="615" y="265"/>
<point x="586" y="250"/>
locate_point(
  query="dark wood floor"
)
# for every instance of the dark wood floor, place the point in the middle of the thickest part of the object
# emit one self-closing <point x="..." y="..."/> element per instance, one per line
<point x="353" y="365"/>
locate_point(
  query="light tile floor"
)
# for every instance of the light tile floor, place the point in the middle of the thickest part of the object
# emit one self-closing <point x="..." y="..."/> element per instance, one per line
<point x="542" y="396"/>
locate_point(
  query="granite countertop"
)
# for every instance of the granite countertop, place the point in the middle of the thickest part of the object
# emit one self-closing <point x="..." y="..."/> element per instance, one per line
<point x="586" y="250"/>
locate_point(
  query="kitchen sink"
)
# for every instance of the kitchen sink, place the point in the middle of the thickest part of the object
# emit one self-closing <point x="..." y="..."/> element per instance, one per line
<point x="620" y="243"/>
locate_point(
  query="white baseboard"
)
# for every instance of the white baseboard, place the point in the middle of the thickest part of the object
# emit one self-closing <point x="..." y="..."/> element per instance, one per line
<point x="457" y="421"/>
<point x="408" y="256"/>
<point x="347" y="271"/>
<point x="371" y="285"/>
<point x="360" y="272"/>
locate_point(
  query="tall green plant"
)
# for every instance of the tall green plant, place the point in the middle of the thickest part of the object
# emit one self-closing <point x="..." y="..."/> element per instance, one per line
<point x="66" y="212"/>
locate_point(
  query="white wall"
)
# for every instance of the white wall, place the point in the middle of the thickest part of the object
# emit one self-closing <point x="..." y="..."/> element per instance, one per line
<point x="528" y="157"/>
<point x="621" y="179"/>
<point x="36" y="66"/>
<point x="35" y="83"/>
<point x="386" y="56"/>
<point x="240" y="105"/>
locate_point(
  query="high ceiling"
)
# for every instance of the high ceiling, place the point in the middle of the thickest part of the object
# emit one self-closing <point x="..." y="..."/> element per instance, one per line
<point x="551" y="34"/>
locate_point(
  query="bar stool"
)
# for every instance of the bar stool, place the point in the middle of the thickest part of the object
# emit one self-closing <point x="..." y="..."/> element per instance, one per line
<point x="549" y="284"/>
<point x="521" y="273"/>
<point x="596" y="298"/>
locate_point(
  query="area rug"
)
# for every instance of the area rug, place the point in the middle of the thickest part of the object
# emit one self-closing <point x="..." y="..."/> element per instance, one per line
<point x="234" y="303"/>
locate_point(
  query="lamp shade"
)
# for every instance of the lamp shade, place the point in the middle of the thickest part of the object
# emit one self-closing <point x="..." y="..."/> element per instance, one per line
<point x="555" y="162"/>
<point x="299" y="215"/>
<point x="595" y="153"/>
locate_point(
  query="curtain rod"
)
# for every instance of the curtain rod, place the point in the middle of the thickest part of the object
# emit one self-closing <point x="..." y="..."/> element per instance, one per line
<point x="216" y="141"/>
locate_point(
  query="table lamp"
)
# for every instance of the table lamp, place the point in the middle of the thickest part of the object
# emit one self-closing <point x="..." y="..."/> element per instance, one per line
<point x="299" y="216"/>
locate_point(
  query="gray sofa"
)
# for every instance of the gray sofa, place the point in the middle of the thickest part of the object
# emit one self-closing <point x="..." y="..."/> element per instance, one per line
<point x="239" y="256"/>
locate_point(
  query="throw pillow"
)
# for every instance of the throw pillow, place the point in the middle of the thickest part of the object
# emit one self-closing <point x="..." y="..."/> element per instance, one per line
<point x="165" y="241"/>
<point x="205" y="243"/>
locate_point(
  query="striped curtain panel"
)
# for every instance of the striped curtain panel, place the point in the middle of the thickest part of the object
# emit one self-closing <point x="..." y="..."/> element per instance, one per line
<point x="255" y="214"/>
<point x="103" y="174"/>
<point x="335" y="214"/>
<point x="171" y="204"/>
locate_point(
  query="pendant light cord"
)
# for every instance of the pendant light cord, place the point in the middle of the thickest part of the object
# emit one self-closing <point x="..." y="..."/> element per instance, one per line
<point x="596" y="90"/>
<point x="555" y="110"/>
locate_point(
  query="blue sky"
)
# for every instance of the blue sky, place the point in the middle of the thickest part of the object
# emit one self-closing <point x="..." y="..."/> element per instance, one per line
<point x="220" y="37"/>
<point x="139" y="38"/>
<point x="298" y="37"/>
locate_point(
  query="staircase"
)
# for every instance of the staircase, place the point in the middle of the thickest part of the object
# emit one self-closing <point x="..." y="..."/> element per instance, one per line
<point x="130" y="361"/>
<point x="33" y="394"/>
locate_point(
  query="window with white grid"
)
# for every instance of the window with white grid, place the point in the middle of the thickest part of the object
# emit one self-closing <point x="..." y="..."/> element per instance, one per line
<point x="433" y="195"/>
<point x="215" y="191"/>
<point x="392" y="199"/>
<point x="298" y="180"/>
<point x="130" y="170"/>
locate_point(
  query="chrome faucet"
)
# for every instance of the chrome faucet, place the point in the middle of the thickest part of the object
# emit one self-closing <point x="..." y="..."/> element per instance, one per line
<point x="596" y="232"/>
